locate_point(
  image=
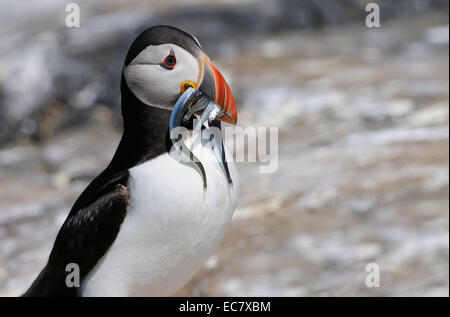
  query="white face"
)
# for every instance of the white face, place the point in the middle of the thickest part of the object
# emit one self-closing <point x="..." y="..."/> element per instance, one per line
<point x="156" y="85"/>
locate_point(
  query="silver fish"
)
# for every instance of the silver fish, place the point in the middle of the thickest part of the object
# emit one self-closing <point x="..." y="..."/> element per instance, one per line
<point x="182" y="112"/>
<point x="176" y="120"/>
<point x="219" y="151"/>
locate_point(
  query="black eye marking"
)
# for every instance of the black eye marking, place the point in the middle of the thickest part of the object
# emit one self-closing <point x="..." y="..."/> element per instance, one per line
<point x="169" y="61"/>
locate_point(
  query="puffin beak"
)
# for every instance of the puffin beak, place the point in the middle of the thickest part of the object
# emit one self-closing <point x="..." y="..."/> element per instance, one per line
<point x="213" y="85"/>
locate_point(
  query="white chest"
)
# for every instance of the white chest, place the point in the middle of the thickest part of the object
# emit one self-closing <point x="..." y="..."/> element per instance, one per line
<point x="171" y="228"/>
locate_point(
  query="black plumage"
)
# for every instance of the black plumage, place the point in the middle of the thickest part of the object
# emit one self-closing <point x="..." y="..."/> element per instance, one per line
<point x="83" y="238"/>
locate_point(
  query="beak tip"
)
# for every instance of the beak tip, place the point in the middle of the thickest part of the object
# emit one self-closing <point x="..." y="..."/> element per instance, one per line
<point x="221" y="92"/>
<point x="234" y="121"/>
<point x="229" y="118"/>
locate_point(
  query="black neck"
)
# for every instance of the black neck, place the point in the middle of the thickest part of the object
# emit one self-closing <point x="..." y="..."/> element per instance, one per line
<point x="145" y="135"/>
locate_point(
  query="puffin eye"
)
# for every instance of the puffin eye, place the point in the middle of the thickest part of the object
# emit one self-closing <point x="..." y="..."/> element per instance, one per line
<point x="170" y="60"/>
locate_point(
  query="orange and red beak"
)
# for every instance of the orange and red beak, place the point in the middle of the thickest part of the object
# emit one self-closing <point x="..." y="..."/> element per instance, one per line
<point x="212" y="84"/>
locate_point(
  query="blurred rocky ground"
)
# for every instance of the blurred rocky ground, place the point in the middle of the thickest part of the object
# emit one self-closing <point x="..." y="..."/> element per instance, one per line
<point x="53" y="77"/>
<point x="363" y="118"/>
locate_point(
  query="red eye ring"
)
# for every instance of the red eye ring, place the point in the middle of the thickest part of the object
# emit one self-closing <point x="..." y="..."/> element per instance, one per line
<point x="170" y="60"/>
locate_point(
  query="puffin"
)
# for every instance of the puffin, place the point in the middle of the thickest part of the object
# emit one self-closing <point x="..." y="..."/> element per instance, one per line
<point x="147" y="223"/>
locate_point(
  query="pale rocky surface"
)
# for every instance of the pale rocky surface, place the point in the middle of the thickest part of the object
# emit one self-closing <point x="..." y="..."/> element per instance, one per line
<point x="363" y="118"/>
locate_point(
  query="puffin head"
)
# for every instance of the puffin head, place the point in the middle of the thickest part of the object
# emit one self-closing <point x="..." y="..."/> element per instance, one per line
<point x="164" y="61"/>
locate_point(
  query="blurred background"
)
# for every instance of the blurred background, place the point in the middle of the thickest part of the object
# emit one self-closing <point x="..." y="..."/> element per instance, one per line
<point x="363" y="118"/>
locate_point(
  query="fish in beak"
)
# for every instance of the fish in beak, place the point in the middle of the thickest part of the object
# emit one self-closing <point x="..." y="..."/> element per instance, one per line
<point x="212" y="100"/>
